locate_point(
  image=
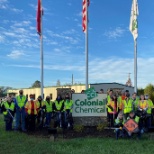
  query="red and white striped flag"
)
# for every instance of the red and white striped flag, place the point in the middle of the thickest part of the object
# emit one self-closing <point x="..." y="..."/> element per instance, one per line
<point x="85" y="3"/>
<point x="39" y="17"/>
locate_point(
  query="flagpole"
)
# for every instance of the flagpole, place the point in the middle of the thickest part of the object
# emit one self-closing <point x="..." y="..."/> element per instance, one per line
<point x="135" y="65"/>
<point x="41" y="54"/>
<point x="86" y="45"/>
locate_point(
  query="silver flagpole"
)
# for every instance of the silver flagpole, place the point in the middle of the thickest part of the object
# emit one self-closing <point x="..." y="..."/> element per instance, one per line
<point x="135" y="65"/>
<point x="86" y="44"/>
<point x="41" y="54"/>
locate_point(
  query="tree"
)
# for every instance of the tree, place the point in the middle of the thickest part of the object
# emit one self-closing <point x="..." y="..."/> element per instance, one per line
<point x="3" y="91"/>
<point x="140" y="91"/>
<point x="149" y="90"/>
<point x="36" y="84"/>
<point x="58" y="84"/>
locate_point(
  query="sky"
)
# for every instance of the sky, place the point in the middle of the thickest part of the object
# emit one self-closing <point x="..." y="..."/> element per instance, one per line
<point x="111" y="45"/>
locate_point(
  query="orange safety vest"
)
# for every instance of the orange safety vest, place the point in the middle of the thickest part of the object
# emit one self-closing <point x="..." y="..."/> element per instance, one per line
<point x="28" y="106"/>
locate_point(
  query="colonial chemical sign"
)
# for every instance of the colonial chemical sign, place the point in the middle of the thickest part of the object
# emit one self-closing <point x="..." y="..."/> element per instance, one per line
<point x="89" y="104"/>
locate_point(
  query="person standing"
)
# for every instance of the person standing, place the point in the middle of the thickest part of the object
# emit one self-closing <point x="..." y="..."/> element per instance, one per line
<point x="58" y="108"/>
<point x="68" y="106"/>
<point x="20" y="102"/>
<point x="127" y="105"/>
<point x="49" y="109"/>
<point x="41" y="112"/>
<point x="8" y="109"/>
<point x="31" y="109"/>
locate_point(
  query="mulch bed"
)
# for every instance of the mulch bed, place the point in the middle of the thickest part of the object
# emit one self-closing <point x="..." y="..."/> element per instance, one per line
<point x="70" y="134"/>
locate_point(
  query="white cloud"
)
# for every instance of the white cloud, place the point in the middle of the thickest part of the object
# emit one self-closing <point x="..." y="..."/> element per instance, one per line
<point x="16" y="54"/>
<point x="16" y="10"/>
<point x="117" y="32"/>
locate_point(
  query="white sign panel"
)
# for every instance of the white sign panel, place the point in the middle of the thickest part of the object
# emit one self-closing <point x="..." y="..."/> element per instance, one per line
<point x="85" y="106"/>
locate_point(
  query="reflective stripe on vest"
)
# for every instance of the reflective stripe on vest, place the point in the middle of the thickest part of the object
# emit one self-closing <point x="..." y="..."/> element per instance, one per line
<point x="48" y="106"/>
<point x="29" y="107"/>
<point x="58" y="105"/>
<point x="21" y="101"/>
<point x="10" y="107"/>
<point x="143" y="104"/>
<point x="127" y="106"/>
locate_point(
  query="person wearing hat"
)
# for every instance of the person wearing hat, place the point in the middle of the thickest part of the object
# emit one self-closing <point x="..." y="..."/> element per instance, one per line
<point x="31" y="108"/>
<point x="41" y="112"/>
<point x="20" y="102"/>
<point x="8" y="109"/>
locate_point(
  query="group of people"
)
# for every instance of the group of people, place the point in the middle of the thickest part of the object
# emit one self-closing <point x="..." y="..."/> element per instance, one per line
<point x="29" y="114"/>
<point x="124" y="107"/>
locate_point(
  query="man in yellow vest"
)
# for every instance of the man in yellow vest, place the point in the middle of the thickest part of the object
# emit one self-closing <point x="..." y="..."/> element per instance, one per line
<point x="31" y="108"/>
<point x="20" y="102"/>
<point x="68" y="106"/>
<point x="49" y="109"/>
<point x="8" y="109"/>
<point x="127" y="106"/>
<point x="41" y="112"/>
<point x="58" y="107"/>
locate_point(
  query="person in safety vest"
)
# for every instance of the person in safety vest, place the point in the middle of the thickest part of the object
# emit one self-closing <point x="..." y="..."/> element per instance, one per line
<point x="8" y="109"/>
<point x="142" y="112"/>
<point x="127" y="105"/>
<point x="110" y="93"/>
<point x="20" y="102"/>
<point x="136" y="118"/>
<point x="58" y="107"/>
<point x="49" y="110"/>
<point x="149" y="112"/>
<point x="112" y="110"/>
<point x="31" y="108"/>
<point x="68" y="106"/>
<point x="41" y="112"/>
<point x="135" y="101"/>
<point x="119" y="122"/>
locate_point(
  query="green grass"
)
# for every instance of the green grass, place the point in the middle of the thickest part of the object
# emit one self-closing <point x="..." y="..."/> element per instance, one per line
<point x="20" y="143"/>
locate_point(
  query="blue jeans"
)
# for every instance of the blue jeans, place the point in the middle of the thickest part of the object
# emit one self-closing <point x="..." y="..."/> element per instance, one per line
<point x="68" y="118"/>
<point x="59" y="118"/>
<point x="8" y="124"/>
<point x="48" y="118"/>
<point x="20" y="119"/>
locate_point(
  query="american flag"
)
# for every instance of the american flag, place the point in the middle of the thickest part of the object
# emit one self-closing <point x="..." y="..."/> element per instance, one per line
<point x="85" y="3"/>
<point x="39" y="17"/>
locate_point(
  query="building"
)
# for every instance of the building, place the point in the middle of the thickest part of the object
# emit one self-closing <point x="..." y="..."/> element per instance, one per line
<point x="114" y="86"/>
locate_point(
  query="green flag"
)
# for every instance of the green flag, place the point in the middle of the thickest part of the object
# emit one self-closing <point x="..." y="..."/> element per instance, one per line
<point x="133" y="27"/>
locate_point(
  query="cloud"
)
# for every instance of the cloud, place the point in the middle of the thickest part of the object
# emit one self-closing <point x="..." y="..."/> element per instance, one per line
<point x="113" y="34"/>
<point x="16" y="54"/>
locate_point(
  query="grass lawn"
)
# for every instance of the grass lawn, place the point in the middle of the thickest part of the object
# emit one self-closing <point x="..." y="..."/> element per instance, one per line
<point x="20" y="143"/>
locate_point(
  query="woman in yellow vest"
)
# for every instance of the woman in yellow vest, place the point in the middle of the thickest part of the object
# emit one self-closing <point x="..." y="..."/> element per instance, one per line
<point x="112" y="110"/>
<point x="8" y="109"/>
<point x="142" y="110"/>
<point x="31" y="108"/>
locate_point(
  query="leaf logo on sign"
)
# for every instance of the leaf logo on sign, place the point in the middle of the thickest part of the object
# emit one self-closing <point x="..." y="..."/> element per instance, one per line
<point x="91" y="93"/>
